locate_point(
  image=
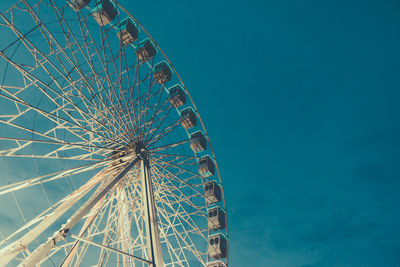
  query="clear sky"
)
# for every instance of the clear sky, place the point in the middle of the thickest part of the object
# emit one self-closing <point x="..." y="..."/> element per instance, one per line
<point x="301" y="102"/>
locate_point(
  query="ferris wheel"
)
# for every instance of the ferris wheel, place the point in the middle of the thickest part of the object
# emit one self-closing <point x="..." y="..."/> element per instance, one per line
<point x="104" y="158"/>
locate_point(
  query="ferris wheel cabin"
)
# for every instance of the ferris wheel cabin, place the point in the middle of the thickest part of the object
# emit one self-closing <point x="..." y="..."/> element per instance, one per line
<point x="162" y="72"/>
<point x="177" y="96"/>
<point x="216" y="218"/>
<point x="146" y="50"/>
<point x="212" y="192"/>
<point x="105" y="12"/>
<point x="198" y="142"/>
<point x="188" y="118"/>
<point x="128" y="31"/>
<point x="206" y="166"/>
<point x="216" y="264"/>
<point x="78" y="4"/>
<point x="217" y="246"/>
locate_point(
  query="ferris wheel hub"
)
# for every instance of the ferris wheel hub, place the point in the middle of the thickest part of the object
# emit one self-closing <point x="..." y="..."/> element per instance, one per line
<point x="139" y="148"/>
<point x="135" y="150"/>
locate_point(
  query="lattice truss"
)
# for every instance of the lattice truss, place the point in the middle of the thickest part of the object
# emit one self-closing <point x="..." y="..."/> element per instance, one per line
<point x="90" y="143"/>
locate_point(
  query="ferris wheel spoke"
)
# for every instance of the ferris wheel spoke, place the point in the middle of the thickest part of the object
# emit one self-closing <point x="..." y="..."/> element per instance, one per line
<point x="160" y="111"/>
<point x="92" y="56"/>
<point x="132" y="84"/>
<point x="145" y="110"/>
<point x="61" y="18"/>
<point x="171" y="187"/>
<point x="84" y="157"/>
<point x="131" y="87"/>
<point x="181" y="182"/>
<point x="182" y="221"/>
<point x="141" y="107"/>
<point x="9" y="152"/>
<point x="167" y="183"/>
<point x="14" y="98"/>
<point x="24" y="184"/>
<point x="51" y="41"/>
<point x="73" y="128"/>
<point x="85" y="30"/>
<point x="169" y="146"/>
<point x="168" y="155"/>
<point x="67" y="144"/>
<point x="184" y="235"/>
<point x="164" y="232"/>
<point x="53" y="38"/>
<point x="35" y="52"/>
<point x="163" y="133"/>
<point x="157" y="111"/>
<point x="48" y="115"/>
<point x="165" y="164"/>
<point x="179" y="258"/>
<point x="28" y="130"/>
<point x="146" y="123"/>
<point x="141" y="96"/>
<point x="172" y="191"/>
<point x="179" y="161"/>
<point x="28" y="107"/>
<point x="118" y="75"/>
<point x="113" y="92"/>
<point x="137" y="82"/>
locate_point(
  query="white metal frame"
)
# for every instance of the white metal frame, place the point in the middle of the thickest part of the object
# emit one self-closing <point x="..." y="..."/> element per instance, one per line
<point x="77" y="106"/>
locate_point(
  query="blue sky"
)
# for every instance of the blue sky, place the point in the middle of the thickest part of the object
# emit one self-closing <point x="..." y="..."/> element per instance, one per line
<point x="301" y="102"/>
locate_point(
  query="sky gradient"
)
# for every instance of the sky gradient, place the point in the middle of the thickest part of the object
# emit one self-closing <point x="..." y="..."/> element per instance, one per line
<point x="301" y="103"/>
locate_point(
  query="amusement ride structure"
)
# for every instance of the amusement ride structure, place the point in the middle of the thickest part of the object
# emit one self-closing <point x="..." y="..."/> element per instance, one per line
<point x="104" y="158"/>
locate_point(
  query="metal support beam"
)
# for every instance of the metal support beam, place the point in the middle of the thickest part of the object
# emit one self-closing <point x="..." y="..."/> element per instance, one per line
<point x="152" y="232"/>
<point x="43" y="250"/>
<point x="124" y="226"/>
<point x="12" y="250"/>
<point x="109" y="248"/>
